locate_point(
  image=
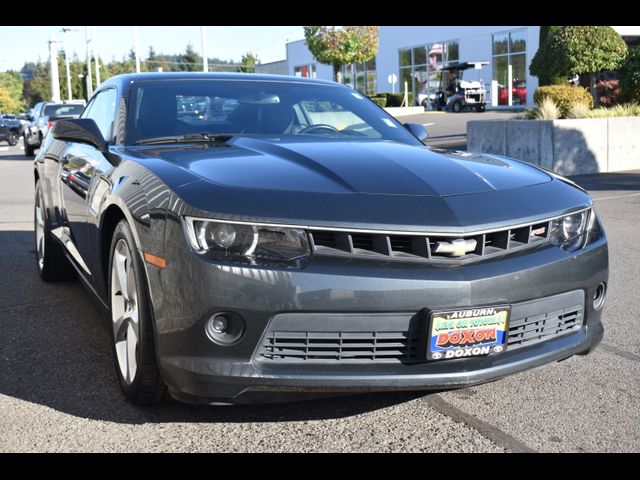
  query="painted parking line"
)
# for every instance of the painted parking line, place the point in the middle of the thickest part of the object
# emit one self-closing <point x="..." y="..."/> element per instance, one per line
<point x="429" y="124"/>
<point x="4" y="149"/>
<point x="613" y="197"/>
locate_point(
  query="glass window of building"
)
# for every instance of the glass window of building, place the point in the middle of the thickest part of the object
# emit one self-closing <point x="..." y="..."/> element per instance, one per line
<point x="510" y="67"/>
<point x="308" y="71"/>
<point x="361" y="76"/>
<point x="421" y="68"/>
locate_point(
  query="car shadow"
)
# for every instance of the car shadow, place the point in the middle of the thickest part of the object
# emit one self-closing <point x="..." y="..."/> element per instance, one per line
<point x="57" y="353"/>
<point x="620" y="181"/>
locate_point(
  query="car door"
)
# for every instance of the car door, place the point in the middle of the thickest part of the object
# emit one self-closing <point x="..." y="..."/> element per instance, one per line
<point x="79" y="166"/>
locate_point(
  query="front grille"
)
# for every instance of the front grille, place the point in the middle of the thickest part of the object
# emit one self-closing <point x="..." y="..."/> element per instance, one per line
<point x="445" y="248"/>
<point x="340" y="346"/>
<point x="394" y="338"/>
<point x="541" y="327"/>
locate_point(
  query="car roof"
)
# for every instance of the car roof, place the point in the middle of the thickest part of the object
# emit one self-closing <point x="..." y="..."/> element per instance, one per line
<point x="128" y="78"/>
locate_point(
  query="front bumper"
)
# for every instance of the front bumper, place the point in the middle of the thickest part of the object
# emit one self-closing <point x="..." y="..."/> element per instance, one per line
<point x="190" y="290"/>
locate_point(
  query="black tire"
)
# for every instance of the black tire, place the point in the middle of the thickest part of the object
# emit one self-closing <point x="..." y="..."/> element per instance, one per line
<point x="480" y="108"/>
<point x="51" y="262"/>
<point x="13" y="139"/>
<point x="29" y="150"/>
<point x="456" y="107"/>
<point x="146" y="386"/>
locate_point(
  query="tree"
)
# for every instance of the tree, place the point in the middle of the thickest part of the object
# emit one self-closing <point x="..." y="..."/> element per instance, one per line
<point x="11" y="81"/>
<point x="190" y="61"/>
<point x="546" y="34"/>
<point x="155" y="61"/>
<point x="38" y="88"/>
<point x="7" y="103"/>
<point x="577" y="50"/>
<point x="248" y="63"/>
<point x="339" y="46"/>
<point x="630" y="76"/>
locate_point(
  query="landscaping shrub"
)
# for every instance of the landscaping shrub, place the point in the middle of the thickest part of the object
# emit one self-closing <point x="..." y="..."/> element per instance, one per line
<point x="608" y="91"/>
<point x="547" y="109"/>
<point x="579" y="110"/>
<point x="395" y="99"/>
<point x="564" y="96"/>
<point x="380" y="101"/>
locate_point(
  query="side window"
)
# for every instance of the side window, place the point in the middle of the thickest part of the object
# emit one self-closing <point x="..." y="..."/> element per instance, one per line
<point x="103" y="111"/>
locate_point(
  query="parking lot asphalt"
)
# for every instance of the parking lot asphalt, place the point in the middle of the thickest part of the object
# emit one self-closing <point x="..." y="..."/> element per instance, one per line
<point x="58" y="389"/>
<point x="447" y="129"/>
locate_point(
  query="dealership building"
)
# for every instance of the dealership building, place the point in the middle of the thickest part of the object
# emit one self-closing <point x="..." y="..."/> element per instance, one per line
<point x="416" y="55"/>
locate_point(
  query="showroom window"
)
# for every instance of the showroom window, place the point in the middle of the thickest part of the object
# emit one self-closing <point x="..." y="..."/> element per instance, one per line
<point x="305" y="71"/>
<point x="364" y="74"/>
<point x="421" y="66"/>
<point x="510" y="67"/>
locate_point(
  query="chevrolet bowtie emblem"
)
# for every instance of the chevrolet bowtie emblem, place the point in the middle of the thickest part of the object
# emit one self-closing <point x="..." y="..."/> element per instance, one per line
<point x="456" y="248"/>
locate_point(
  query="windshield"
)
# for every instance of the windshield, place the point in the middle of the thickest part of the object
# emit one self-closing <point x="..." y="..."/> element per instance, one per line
<point x="166" y="108"/>
<point x="63" y="110"/>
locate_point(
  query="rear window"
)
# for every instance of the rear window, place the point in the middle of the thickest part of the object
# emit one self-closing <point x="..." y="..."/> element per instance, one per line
<point x="61" y="110"/>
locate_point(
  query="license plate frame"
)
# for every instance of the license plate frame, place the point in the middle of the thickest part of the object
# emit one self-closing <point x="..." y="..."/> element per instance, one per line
<point x="467" y="332"/>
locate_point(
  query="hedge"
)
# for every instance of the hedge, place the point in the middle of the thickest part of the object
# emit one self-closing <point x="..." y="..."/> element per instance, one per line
<point x="565" y="96"/>
<point x="380" y="101"/>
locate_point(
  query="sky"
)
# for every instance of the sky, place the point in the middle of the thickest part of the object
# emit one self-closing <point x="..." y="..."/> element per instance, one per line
<point x="227" y="43"/>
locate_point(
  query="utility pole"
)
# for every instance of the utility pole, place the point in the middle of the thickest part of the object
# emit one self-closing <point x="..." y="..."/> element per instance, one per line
<point x="95" y="57"/>
<point x="205" y="59"/>
<point x="89" y="79"/>
<point x="66" y="59"/>
<point x="53" y="63"/>
<point x="135" y="48"/>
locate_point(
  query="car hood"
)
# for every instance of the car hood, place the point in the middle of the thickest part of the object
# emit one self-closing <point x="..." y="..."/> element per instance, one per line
<point x="352" y="184"/>
<point x="347" y="166"/>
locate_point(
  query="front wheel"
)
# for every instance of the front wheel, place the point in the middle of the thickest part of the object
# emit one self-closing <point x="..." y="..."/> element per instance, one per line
<point x="456" y="107"/>
<point x="131" y="321"/>
<point x="13" y="139"/>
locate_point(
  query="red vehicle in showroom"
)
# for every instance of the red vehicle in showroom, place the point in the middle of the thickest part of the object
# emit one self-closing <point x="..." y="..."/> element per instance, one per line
<point x="518" y="93"/>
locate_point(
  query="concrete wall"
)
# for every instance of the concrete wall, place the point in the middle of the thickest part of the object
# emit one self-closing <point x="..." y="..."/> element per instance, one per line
<point x="569" y="147"/>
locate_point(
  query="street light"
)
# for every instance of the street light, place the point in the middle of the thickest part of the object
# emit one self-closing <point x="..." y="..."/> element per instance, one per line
<point x="64" y="30"/>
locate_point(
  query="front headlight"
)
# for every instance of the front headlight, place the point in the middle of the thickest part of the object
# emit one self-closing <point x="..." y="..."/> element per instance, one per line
<point x="245" y="243"/>
<point x="569" y="232"/>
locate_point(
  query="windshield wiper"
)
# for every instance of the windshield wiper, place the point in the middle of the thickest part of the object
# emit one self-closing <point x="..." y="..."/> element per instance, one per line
<point x="205" y="137"/>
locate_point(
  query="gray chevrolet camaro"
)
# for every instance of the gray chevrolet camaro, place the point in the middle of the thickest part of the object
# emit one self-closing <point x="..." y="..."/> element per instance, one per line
<point x="255" y="237"/>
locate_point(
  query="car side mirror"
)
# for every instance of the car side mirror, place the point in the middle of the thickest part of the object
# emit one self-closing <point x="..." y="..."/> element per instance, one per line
<point x="80" y="130"/>
<point x="417" y="130"/>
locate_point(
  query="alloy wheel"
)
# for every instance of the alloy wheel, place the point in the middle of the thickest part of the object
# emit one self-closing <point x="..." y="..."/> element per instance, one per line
<point x="124" y="311"/>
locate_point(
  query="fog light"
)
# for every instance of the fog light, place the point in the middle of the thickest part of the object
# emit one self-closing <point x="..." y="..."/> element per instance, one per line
<point x="219" y="324"/>
<point x="598" y="296"/>
<point x="225" y="328"/>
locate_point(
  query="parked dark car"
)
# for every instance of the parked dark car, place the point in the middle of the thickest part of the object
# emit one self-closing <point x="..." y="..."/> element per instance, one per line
<point x="43" y="116"/>
<point x="9" y="126"/>
<point x="306" y="241"/>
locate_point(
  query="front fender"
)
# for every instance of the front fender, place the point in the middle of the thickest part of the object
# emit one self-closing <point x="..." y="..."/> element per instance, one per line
<point x="134" y="193"/>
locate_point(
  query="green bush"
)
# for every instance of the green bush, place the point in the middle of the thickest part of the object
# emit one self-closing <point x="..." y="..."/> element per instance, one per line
<point x="630" y="76"/>
<point x="564" y="96"/>
<point x="395" y="99"/>
<point x="380" y="101"/>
